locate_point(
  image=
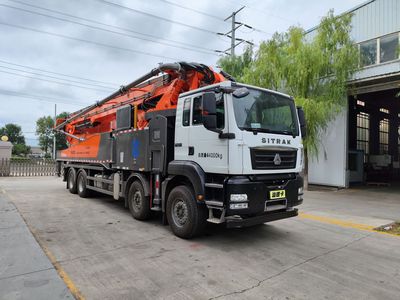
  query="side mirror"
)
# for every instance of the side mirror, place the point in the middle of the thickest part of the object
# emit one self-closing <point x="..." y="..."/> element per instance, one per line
<point x="209" y="104"/>
<point x="210" y="111"/>
<point x="302" y="120"/>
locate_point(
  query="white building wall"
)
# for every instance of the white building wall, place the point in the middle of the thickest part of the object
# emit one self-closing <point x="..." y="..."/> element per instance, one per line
<point x="329" y="167"/>
<point x="5" y="149"/>
<point x="374" y="19"/>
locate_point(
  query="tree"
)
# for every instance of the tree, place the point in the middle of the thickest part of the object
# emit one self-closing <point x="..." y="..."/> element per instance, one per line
<point x="21" y="150"/>
<point x="237" y="65"/>
<point x="14" y="133"/>
<point x="314" y="71"/>
<point x="61" y="139"/>
<point x="44" y="129"/>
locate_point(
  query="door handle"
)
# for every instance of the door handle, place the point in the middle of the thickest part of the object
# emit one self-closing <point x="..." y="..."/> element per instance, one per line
<point x="178" y="144"/>
<point x="191" y="150"/>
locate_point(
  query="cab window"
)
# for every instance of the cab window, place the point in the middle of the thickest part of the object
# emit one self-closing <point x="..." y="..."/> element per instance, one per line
<point x="186" y="112"/>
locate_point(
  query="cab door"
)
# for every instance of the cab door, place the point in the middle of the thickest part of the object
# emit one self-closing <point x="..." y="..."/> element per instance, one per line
<point x="182" y="128"/>
<point x="204" y="146"/>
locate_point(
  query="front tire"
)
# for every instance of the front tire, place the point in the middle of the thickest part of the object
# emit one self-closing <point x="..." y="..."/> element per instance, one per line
<point x="139" y="204"/>
<point x="71" y="181"/>
<point x="186" y="217"/>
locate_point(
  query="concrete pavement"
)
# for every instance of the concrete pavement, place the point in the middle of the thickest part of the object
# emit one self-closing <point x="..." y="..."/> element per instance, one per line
<point x="108" y="255"/>
<point x="25" y="271"/>
<point x="375" y="206"/>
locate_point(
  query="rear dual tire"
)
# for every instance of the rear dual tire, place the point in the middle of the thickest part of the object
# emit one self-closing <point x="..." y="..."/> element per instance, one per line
<point x="138" y="202"/>
<point x="71" y="181"/>
<point x="81" y="181"/>
<point x="77" y="182"/>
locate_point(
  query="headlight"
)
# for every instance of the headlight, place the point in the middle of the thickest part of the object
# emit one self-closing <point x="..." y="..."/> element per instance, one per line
<point x="238" y="206"/>
<point x="300" y="191"/>
<point x="238" y="197"/>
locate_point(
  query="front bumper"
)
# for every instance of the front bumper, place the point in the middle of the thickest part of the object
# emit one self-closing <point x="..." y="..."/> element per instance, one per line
<point x="238" y="222"/>
<point x="258" y="191"/>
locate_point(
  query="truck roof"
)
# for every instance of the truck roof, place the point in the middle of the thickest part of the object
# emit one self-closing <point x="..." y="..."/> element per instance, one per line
<point x="229" y="83"/>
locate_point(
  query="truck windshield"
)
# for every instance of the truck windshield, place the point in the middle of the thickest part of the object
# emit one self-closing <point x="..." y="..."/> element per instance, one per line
<point x="262" y="111"/>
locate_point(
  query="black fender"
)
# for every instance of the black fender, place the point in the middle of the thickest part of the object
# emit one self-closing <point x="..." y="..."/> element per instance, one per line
<point x="191" y="171"/>
<point x="136" y="176"/>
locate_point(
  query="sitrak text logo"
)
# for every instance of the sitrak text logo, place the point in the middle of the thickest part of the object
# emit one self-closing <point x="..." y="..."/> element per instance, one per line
<point x="274" y="141"/>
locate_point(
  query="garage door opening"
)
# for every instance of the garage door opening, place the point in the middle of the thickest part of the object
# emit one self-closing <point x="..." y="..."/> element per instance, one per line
<point x="374" y="138"/>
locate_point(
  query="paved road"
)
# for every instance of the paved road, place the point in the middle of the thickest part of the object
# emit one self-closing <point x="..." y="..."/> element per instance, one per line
<point x="108" y="255"/>
<point x="25" y="271"/>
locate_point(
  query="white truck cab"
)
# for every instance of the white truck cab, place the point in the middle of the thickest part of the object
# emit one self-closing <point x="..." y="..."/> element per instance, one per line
<point x="247" y="142"/>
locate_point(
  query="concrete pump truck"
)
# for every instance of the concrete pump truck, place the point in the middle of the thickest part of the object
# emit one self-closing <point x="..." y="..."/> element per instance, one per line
<point x="192" y="144"/>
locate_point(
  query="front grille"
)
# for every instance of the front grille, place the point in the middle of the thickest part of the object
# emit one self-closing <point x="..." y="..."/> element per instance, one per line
<point x="262" y="159"/>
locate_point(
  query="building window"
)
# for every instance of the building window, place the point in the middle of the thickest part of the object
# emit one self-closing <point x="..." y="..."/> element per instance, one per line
<point x="363" y="133"/>
<point x="384" y="110"/>
<point x="360" y="103"/>
<point x="389" y="47"/>
<point x="186" y="112"/>
<point x="384" y="136"/>
<point x="368" y="52"/>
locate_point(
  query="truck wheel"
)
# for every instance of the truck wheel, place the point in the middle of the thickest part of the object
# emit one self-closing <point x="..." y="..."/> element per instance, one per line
<point x="139" y="204"/>
<point x="83" y="192"/>
<point x="71" y="180"/>
<point x="185" y="216"/>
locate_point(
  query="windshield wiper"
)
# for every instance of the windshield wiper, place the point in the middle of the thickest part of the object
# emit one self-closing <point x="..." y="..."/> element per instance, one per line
<point x="266" y="130"/>
<point x="255" y="130"/>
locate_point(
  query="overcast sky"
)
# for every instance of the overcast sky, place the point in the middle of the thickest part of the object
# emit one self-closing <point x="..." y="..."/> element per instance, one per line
<point x="38" y="47"/>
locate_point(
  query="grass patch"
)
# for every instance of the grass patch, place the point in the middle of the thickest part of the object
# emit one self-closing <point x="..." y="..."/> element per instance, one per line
<point x="393" y="228"/>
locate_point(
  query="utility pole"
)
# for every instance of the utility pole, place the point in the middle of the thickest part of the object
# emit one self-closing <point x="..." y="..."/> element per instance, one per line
<point x="232" y="33"/>
<point x="233" y="41"/>
<point x="54" y="132"/>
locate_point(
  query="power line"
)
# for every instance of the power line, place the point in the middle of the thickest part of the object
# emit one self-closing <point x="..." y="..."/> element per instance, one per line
<point x="54" y="77"/>
<point x="109" y="25"/>
<point x="155" y="16"/>
<point x="192" y="9"/>
<point x="260" y="11"/>
<point x="104" y="29"/>
<point x="89" y="42"/>
<point x="61" y="74"/>
<point x="52" y="81"/>
<point x="210" y="15"/>
<point x="40" y="98"/>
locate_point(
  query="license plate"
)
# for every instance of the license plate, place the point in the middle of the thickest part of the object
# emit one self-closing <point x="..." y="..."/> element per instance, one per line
<point x="277" y="194"/>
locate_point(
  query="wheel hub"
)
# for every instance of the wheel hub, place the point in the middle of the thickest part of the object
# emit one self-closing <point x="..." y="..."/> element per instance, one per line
<point x="180" y="213"/>
<point x="137" y="201"/>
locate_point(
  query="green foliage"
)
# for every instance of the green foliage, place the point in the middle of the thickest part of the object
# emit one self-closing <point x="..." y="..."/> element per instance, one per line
<point x="313" y="70"/>
<point x="237" y="65"/>
<point x="61" y="140"/>
<point x="21" y="150"/>
<point x="44" y="129"/>
<point x="14" y="133"/>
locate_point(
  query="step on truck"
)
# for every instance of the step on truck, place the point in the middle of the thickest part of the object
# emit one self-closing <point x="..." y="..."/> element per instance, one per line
<point x="192" y="144"/>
